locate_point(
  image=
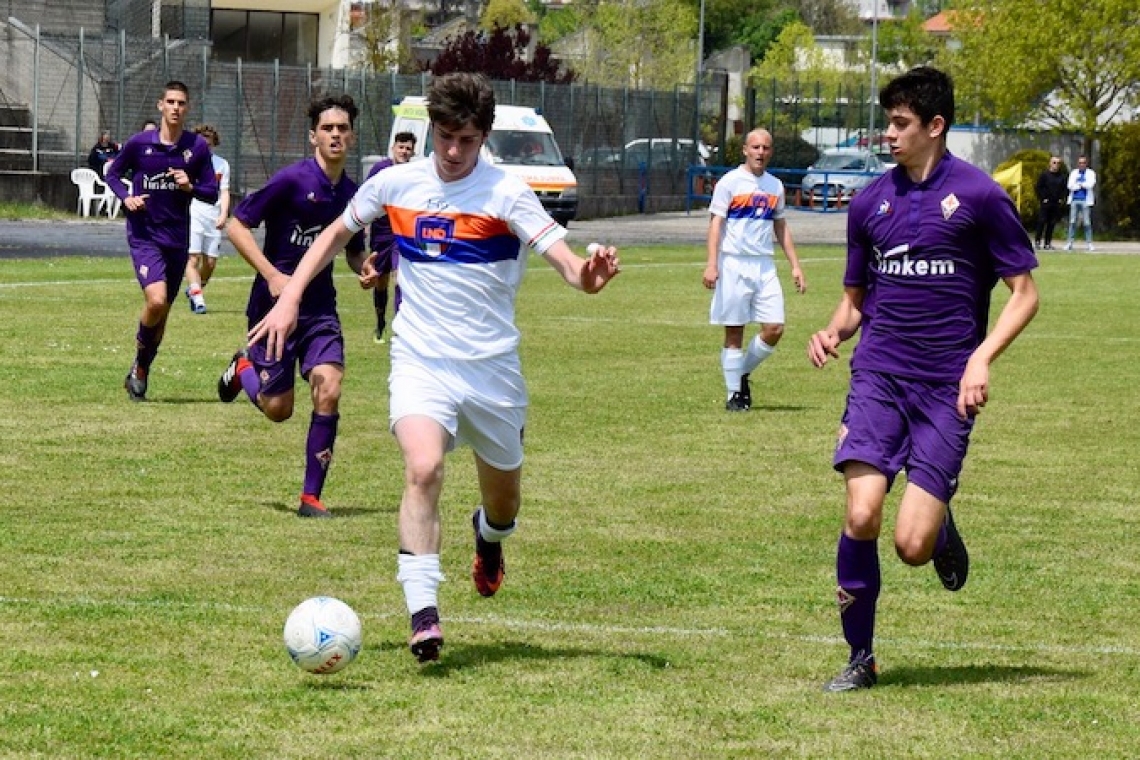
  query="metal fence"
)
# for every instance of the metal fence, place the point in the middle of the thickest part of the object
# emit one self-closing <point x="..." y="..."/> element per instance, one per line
<point x="59" y="91"/>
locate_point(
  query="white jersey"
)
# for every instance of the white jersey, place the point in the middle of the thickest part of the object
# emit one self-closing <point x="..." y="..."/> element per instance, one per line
<point x="749" y="204"/>
<point x="207" y="213"/>
<point x="463" y="250"/>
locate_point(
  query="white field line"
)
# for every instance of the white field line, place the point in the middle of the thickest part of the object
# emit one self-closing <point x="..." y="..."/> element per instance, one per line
<point x="599" y="630"/>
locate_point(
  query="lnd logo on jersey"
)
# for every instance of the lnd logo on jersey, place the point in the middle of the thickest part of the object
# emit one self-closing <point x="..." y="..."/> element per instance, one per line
<point x="433" y="233"/>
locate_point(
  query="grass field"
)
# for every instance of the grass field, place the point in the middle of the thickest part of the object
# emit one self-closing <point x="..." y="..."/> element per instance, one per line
<point x="670" y="589"/>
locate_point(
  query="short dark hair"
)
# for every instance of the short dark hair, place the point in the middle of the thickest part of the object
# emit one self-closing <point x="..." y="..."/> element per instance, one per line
<point x="405" y="137"/>
<point x="925" y="90"/>
<point x="343" y="102"/>
<point x="462" y="98"/>
<point x="174" y="84"/>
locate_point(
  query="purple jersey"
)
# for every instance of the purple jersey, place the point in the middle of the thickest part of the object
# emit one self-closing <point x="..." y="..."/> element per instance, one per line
<point x="296" y="204"/>
<point x="928" y="256"/>
<point x="380" y="237"/>
<point x="166" y="219"/>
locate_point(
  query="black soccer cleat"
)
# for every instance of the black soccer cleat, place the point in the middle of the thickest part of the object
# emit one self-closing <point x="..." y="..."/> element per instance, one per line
<point x="229" y="384"/>
<point x="135" y="383"/>
<point x="860" y="673"/>
<point x="737" y="404"/>
<point x="311" y="506"/>
<point x="953" y="563"/>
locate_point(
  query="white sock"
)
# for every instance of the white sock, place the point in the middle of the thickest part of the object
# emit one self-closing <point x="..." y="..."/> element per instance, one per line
<point x="493" y="535"/>
<point x="732" y="361"/>
<point x="420" y="575"/>
<point x="757" y="352"/>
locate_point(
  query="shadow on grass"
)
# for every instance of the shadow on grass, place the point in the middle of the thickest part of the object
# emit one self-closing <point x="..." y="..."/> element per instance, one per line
<point x="780" y="408"/>
<point x="337" y="511"/>
<point x="459" y="657"/>
<point x="971" y="674"/>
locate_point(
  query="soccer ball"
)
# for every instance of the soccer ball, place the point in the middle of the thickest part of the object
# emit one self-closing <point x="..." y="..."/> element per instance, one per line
<point x="323" y="635"/>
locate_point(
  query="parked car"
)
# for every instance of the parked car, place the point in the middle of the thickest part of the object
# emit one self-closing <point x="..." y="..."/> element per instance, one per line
<point x="839" y="174"/>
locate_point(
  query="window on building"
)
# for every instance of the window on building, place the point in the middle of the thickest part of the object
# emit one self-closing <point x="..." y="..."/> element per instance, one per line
<point x="264" y="36"/>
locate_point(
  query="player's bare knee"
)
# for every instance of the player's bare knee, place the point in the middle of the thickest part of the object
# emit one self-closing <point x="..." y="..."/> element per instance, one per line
<point x="771" y="334"/>
<point x="863" y="523"/>
<point x="276" y="408"/>
<point x="423" y="473"/>
<point x="913" y="551"/>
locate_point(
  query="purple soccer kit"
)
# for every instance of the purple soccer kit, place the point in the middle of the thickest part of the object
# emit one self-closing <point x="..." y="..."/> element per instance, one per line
<point x="928" y="256"/>
<point x="159" y="235"/>
<point x="295" y="205"/>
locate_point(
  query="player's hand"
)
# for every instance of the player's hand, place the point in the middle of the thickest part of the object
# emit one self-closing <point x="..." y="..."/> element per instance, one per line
<point x="180" y="178"/>
<point x="602" y="266"/>
<point x="221" y="223"/>
<point x="710" y="276"/>
<point x="277" y="284"/>
<point x="368" y="277"/>
<point x="275" y="328"/>
<point x="973" y="389"/>
<point x="135" y="202"/>
<point x="799" y="280"/>
<point x="822" y="346"/>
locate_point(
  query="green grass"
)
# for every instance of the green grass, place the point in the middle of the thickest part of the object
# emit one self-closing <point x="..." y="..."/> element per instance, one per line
<point x="12" y="210"/>
<point x="670" y="589"/>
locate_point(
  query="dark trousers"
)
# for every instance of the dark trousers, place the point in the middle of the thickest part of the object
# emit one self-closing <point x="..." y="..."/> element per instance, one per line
<point x="1047" y="219"/>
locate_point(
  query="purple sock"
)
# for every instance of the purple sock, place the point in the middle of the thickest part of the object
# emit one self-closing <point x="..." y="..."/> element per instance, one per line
<point x="857" y="568"/>
<point x="147" y="340"/>
<point x="319" y="451"/>
<point x="399" y="298"/>
<point x="250" y="383"/>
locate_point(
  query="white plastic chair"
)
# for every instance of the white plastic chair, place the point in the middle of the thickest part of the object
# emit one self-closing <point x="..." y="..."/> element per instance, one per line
<point x="91" y="191"/>
<point x="112" y="203"/>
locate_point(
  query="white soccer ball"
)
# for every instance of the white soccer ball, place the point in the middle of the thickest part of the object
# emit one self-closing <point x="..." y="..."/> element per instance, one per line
<point x="323" y="635"/>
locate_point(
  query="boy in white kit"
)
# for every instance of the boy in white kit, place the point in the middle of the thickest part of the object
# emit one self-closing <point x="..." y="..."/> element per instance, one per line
<point x="462" y="228"/>
<point x="206" y="224"/>
<point x="746" y="218"/>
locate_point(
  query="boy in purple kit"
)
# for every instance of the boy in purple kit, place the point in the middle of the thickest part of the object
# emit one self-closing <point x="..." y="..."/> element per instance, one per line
<point x="296" y="204"/>
<point x="381" y="241"/>
<point x="927" y="243"/>
<point x="168" y="167"/>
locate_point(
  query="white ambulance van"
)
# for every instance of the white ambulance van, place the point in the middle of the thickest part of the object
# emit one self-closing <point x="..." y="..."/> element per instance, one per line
<point x="521" y="142"/>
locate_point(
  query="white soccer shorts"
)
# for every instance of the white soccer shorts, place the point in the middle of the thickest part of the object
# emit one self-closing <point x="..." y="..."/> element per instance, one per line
<point x="747" y="291"/>
<point x="480" y="403"/>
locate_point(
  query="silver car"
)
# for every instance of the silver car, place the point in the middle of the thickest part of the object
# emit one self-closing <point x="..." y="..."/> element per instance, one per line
<point x="839" y="174"/>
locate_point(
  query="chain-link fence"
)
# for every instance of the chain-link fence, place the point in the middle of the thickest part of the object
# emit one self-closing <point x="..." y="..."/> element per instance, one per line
<point x="631" y="149"/>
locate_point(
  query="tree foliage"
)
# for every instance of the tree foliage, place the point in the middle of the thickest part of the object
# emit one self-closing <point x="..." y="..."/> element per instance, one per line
<point x="904" y="44"/>
<point x="506" y="14"/>
<point x="1065" y="63"/>
<point x="1120" y="161"/>
<point x="501" y="54"/>
<point x="642" y="43"/>
<point x="387" y="34"/>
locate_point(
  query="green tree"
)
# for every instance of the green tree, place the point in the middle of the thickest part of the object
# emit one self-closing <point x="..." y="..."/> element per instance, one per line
<point x="905" y="44"/>
<point x="506" y="14"/>
<point x="642" y="43"/>
<point x="1070" y="64"/>
<point x="387" y="34"/>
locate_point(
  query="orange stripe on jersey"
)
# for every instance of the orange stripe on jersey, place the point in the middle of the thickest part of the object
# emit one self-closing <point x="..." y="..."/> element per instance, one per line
<point x="466" y="226"/>
<point x="753" y="205"/>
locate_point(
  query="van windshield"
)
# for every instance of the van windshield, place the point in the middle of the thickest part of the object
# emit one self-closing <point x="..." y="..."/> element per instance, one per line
<point x="529" y="148"/>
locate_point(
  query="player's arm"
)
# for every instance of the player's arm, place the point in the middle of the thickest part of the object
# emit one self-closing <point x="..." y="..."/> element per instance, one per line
<point x="356" y="253"/>
<point x="784" y="238"/>
<point x="204" y="183"/>
<point x="223" y="208"/>
<point x="844" y="322"/>
<point x="589" y="275"/>
<point x="246" y="244"/>
<point x="1019" y="310"/>
<point x="712" y="250"/>
<point x="276" y="326"/>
